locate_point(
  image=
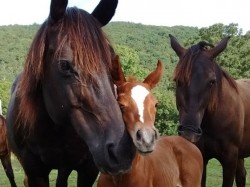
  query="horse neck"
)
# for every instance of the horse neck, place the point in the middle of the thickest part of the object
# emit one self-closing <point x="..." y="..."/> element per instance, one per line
<point x="227" y="93"/>
<point x="227" y="85"/>
<point x="137" y="168"/>
<point x="227" y="98"/>
<point x="137" y="160"/>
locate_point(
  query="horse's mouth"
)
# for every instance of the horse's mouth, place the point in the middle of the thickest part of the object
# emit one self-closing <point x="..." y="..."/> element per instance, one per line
<point x="120" y="172"/>
<point x="191" y="134"/>
<point x="145" y="152"/>
<point x="192" y="137"/>
<point x="145" y="149"/>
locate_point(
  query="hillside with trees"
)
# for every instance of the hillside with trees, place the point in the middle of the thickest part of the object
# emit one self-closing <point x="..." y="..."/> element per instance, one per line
<point x="140" y="47"/>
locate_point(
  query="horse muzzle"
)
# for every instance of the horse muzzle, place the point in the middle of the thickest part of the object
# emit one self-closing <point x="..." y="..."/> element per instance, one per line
<point x="190" y="133"/>
<point x="145" y="139"/>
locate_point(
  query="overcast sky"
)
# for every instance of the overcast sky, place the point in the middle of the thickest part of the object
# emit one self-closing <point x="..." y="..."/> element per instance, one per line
<point x="198" y="13"/>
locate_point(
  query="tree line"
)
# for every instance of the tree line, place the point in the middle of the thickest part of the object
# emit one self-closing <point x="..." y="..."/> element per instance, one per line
<point x="140" y="47"/>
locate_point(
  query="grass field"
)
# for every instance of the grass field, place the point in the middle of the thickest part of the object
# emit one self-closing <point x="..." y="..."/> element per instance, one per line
<point x="214" y="178"/>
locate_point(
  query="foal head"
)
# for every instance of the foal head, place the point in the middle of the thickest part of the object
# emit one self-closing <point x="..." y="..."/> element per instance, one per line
<point x="138" y="105"/>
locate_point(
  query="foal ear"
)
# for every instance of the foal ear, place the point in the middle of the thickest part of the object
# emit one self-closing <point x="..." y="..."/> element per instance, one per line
<point x="154" y="77"/>
<point x="215" y="51"/>
<point x="179" y="50"/>
<point x="116" y="72"/>
<point x="105" y="10"/>
<point x="57" y="10"/>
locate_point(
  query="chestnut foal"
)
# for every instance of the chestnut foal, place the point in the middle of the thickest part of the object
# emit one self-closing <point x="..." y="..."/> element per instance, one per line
<point x="175" y="162"/>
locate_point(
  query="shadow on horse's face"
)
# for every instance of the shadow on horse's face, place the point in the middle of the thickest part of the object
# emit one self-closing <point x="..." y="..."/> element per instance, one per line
<point x="197" y="84"/>
<point x="138" y="106"/>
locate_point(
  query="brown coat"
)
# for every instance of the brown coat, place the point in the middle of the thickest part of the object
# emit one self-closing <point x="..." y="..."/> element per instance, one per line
<point x="175" y="162"/>
<point x="4" y="148"/>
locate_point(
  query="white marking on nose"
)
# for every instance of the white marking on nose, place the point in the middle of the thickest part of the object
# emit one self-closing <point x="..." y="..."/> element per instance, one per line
<point x="139" y="93"/>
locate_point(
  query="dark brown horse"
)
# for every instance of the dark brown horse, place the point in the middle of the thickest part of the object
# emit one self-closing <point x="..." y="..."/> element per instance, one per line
<point x="214" y="109"/>
<point x="5" y="152"/>
<point x="63" y="112"/>
<point x="173" y="161"/>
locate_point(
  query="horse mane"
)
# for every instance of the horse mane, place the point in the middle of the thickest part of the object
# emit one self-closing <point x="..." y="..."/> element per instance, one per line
<point x="133" y="80"/>
<point x="83" y="33"/>
<point x="183" y="70"/>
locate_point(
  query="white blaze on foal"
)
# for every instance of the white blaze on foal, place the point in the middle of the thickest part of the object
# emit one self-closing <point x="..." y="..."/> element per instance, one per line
<point x="139" y="94"/>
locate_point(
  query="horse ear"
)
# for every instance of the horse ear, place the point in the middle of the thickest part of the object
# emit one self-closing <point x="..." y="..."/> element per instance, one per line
<point x="215" y="51"/>
<point x="117" y="72"/>
<point x="179" y="50"/>
<point x="105" y="10"/>
<point x="57" y="10"/>
<point x="154" y="77"/>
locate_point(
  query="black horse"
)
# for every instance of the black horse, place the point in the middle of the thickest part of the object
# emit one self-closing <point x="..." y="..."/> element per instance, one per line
<point x="214" y="109"/>
<point x="63" y="112"/>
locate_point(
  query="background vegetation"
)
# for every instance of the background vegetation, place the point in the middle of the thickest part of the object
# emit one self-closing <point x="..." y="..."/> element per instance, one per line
<point x="139" y="47"/>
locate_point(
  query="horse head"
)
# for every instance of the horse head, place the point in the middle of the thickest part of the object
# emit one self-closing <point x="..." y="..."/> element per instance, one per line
<point x="198" y="83"/>
<point x="138" y="105"/>
<point x="72" y="59"/>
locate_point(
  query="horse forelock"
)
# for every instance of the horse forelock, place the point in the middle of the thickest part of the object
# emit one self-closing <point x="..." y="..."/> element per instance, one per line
<point x="132" y="79"/>
<point x="129" y="84"/>
<point x="91" y="53"/>
<point x="183" y="69"/>
<point x="90" y="46"/>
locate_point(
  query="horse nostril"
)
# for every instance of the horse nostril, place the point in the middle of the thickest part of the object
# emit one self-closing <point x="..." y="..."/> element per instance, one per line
<point x="111" y="151"/>
<point x="199" y="131"/>
<point x="156" y="134"/>
<point x="138" y="135"/>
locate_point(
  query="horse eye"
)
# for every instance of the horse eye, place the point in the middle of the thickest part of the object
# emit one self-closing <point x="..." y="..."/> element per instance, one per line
<point x="212" y="82"/>
<point x="64" y="65"/>
<point x="156" y="104"/>
<point x="66" y="68"/>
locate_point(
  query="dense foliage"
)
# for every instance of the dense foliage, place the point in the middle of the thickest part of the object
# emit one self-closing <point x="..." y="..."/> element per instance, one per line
<point x="139" y="47"/>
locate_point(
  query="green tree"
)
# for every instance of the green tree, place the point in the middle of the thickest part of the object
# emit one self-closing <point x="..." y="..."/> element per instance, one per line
<point x="5" y="90"/>
<point x="130" y="62"/>
<point x="235" y="58"/>
<point x="167" y="114"/>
